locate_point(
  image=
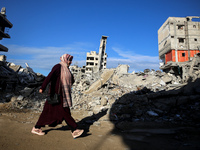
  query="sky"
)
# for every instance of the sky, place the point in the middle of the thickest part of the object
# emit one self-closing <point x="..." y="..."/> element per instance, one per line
<point x="43" y="30"/>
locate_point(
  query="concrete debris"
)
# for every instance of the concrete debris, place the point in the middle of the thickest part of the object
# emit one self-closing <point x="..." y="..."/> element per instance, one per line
<point x="152" y="113"/>
<point x="122" y="69"/>
<point x="149" y="96"/>
<point x="14" y="76"/>
<point x="100" y="82"/>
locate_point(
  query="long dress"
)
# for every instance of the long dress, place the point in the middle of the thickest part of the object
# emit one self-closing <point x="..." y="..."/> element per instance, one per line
<point x="53" y="115"/>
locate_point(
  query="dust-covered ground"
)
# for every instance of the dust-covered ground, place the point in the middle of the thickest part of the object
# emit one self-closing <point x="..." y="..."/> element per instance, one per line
<point x="15" y="134"/>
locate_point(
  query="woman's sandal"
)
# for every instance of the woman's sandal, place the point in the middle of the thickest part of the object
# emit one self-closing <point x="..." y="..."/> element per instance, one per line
<point x="77" y="133"/>
<point x="37" y="131"/>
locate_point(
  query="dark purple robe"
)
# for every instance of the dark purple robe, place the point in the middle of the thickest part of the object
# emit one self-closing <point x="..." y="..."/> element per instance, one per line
<point x="53" y="115"/>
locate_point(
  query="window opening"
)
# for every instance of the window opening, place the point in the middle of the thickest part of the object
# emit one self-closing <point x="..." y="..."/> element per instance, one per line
<point x="180" y="27"/>
<point x="181" y="40"/>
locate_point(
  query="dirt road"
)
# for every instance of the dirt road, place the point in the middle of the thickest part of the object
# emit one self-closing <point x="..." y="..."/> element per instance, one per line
<point x="15" y="134"/>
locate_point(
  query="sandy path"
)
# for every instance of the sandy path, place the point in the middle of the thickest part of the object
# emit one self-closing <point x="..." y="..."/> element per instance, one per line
<point x="15" y="134"/>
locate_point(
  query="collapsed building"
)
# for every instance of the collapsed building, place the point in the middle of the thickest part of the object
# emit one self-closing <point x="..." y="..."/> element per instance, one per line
<point x="4" y="25"/>
<point x="7" y="76"/>
<point x="179" y="43"/>
<point x="94" y="61"/>
<point x="14" y="76"/>
<point x="75" y="69"/>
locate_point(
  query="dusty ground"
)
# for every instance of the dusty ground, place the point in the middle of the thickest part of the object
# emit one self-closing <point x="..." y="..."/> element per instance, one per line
<point x="15" y="127"/>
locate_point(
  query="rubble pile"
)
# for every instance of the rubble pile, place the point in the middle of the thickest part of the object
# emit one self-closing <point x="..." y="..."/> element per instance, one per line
<point x="15" y="76"/>
<point x="144" y="96"/>
<point x="126" y="97"/>
<point x="180" y="106"/>
<point x="18" y="86"/>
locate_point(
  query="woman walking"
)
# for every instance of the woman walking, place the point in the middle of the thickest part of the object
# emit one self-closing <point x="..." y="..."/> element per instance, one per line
<point x="61" y="81"/>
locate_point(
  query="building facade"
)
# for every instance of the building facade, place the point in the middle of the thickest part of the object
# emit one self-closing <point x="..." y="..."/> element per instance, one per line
<point x="92" y="61"/>
<point x="97" y="61"/>
<point x="178" y="40"/>
<point x="76" y="70"/>
<point x="4" y="23"/>
<point x="102" y="53"/>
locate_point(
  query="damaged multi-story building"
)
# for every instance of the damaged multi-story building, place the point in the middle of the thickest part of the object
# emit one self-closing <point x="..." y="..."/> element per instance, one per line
<point x="178" y="43"/>
<point x="4" y="24"/>
<point x="75" y="69"/>
<point x="94" y="61"/>
<point x="97" y="61"/>
<point x="7" y="75"/>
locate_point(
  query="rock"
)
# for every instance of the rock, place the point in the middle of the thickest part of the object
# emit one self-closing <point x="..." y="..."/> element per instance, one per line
<point x="20" y="98"/>
<point x="104" y="101"/>
<point x="152" y="113"/>
<point x="14" y="98"/>
<point x="98" y="109"/>
<point x="166" y="78"/>
<point x="122" y="69"/>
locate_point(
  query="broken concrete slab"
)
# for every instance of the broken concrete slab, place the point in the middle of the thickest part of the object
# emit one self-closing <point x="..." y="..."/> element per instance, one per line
<point x="99" y="83"/>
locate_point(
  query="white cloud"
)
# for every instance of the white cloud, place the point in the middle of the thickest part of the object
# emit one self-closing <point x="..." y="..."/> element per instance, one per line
<point x="135" y="61"/>
<point x="43" y="59"/>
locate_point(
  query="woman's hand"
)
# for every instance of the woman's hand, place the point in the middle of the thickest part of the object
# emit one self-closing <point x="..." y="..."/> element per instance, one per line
<point x="40" y="91"/>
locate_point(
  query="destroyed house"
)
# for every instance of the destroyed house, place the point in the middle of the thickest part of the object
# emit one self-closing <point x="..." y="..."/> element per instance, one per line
<point x="75" y="69"/>
<point x="4" y="24"/>
<point x="91" y="61"/>
<point x="97" y="61"/>
<point x="178" y="41"/>
<point x="94" y="61"/>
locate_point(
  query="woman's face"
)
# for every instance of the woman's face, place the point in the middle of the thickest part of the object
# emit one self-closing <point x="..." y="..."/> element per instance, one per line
<point x="69" y="62"/>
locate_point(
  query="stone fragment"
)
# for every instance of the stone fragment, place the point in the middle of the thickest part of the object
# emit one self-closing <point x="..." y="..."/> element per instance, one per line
<point x="20" y="98"/>
<point x="152" y="113"/>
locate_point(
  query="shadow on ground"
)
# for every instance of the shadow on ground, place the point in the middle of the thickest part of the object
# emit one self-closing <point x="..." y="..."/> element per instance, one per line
<point x="85" y="123"/>
<point x="161" y="120"/>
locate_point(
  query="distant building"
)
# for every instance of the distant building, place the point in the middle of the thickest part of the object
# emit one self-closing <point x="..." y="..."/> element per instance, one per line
<point x="97" y="61"/>
<point x="94" y="61"/>
<point x="102" y="53"/>
<point x="75" y="69"/>
<point x="178" y="41"/>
